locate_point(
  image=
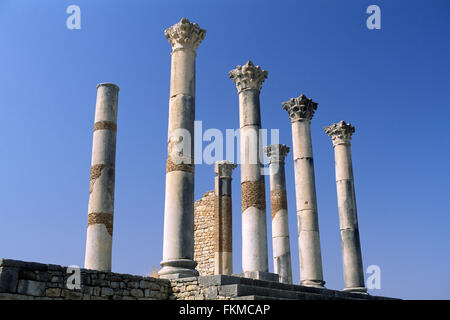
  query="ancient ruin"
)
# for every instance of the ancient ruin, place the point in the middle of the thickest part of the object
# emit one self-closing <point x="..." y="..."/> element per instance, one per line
<point x="197" y="249"/>
<point x="101" y="188"/>
<point x="280" y="224"/>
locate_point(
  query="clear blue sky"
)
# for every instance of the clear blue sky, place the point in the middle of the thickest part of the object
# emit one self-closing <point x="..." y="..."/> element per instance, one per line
<point x="392" y="84"/>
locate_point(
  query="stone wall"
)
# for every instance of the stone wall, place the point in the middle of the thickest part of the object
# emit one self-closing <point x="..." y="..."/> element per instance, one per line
<point x="204" y="234"/>
<point x="35" y="281"/>
<point x="195" y="289"/>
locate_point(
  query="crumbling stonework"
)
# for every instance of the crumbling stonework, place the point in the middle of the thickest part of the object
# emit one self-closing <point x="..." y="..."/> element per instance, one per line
<point x="195" y="289"/>
<point x="253" y="195"/>
<point x="204" y="233"/>
<point x="223" y="242"/>
<point x="278" y="201"/>
<point x="35" y="281"/>
<point x="102" y="218"/>
<point x="21" y="280"/>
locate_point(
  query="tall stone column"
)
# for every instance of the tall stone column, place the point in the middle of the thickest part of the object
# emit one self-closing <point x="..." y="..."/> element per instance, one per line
<point x="101" y="188"/>
<point x="178" y="247"/>
<point x="280" y="224"/>
<point x="223" y="258"/>
<point x="341" y="134"/>
<point x="248" y="79"/>
<point x="301" y="111"/>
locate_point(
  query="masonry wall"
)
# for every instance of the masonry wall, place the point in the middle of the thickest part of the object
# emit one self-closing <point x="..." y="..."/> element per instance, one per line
<point x="204" y="234"/>
<point x="35" y="281"/>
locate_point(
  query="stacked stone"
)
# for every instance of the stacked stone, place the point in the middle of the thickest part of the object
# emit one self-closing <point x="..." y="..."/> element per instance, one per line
<point x="101" y="189"/>
<point x="35" y="281"/>
<point x="280" y="223"/>
<point x="301" y="110"/>
<point x="341" y="134"/>
<point x="194" y="288"/>
<point x="178" y="247"/>
<point x="223" y="220"/>
<point x="204" y="242"/>
<point x="248" y="79"/>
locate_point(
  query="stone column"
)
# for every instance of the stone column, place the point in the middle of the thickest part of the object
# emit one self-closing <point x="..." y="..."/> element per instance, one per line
<point x="341" y="134"/>
<point x="223" y="259"/>
<point x="178" y="247"/>
<point x="101" y="188"/>
<point x="248" y="79"/>
<point x="280" y="224"/>
<point x="301" y="111"/>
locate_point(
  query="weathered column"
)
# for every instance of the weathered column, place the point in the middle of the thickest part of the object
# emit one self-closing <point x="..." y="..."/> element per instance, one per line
<point x="280" y="224"/>
<point x="341" y="134"/>
<point x="248" y="79"/>
<point x="101" y="188"/>
<point x="301" y="111"/>
<point x="223" y="258"/>
<point x="178" y="247"/>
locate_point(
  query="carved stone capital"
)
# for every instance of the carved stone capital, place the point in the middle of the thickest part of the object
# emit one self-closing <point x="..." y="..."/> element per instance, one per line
<point x="276" y="152"/>
<point x="300" y="108"/>
<point x="185" y="34"/>
<point x="340" y="133"/>
<point x="248" y="77"/>
<point x="224" y="168"/>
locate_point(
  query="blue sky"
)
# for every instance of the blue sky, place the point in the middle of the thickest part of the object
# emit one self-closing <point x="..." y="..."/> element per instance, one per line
<point x="391" y="84"/>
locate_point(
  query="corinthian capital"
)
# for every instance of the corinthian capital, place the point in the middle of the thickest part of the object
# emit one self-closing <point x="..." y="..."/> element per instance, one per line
<point x="300" y="108"/>
<point x="224" y="168"/>
<point x="276" y="152"/>
<point x="185" y="34"/>
<point x="248" y="77"/>
<point x="340" y="133"/>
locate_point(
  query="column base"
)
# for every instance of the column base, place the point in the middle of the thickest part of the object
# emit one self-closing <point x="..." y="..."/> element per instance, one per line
<point x="313" y="283"/>
<point x="259" y="275"/>
<point x="178" y="268"/>
<point x="361" y="290"/>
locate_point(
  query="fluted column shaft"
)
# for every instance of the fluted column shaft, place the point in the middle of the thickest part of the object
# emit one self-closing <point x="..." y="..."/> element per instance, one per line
<point x="301" y="111"/>
<point x="101" y="188"/>
<point x="340" y="134"/>
<point x="248" y="80"/>
<point x="178" y="247"/>
<point x="223" y="224"/>
<point x="280" y="223"/>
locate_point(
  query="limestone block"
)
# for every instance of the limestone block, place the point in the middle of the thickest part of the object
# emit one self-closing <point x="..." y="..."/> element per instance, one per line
<point x="8" y="279"/>
<point x="31" y="288"/>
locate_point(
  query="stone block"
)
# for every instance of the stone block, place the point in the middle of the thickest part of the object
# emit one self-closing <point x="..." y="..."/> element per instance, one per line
<point x="31" y="288"/>
<point x="57" y="279"/>
<point x="71" y="295"/>
<point x="44" y="276"/>
<point x="137" y="293"/>
<point x="13" y="296"/>
<point x="145" y="284"/>
<point x="8" y="279"/>
<point x="27" y="275"/>
<point x="106" y="292"/>
<point x="53" y="292"/>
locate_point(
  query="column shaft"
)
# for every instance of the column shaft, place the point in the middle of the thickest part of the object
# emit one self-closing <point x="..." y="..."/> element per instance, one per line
<point x="101" y="189"/>
<point x="348" y="219"/>
<point x="223" y="259"/>
<point x="248" y="80"/>
<point x="280" y="223"/>
<point x="178" y="247"/>
<point x="301" y="111"/>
